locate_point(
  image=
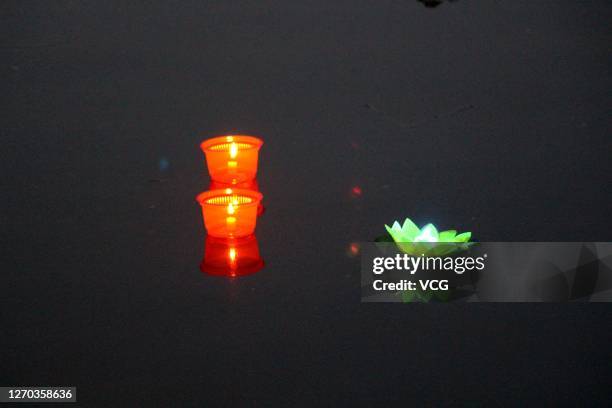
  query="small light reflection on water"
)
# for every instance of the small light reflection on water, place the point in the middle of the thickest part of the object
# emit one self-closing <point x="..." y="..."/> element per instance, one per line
<point x="356" y="191"/>
<point x="354" y="248"/>
<point x="231" y="257"/>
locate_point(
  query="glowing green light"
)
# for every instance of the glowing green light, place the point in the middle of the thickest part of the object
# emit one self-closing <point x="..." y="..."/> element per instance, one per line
<point x="427" y="240"/>
<point x="429" y="233"/>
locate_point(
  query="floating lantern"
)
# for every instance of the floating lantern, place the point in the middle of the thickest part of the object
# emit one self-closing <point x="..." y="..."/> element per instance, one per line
<point x="231" y="256"/>
<point x="232" y="159"/>
<point x="230" y="212"/>
<point x="416" y="241"/>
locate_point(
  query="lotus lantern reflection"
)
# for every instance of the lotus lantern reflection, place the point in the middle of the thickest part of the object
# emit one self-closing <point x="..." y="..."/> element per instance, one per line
<point x="427" y="241"/>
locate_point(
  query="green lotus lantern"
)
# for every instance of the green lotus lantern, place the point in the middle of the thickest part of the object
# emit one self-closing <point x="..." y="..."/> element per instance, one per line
<point x="427" y="241"/>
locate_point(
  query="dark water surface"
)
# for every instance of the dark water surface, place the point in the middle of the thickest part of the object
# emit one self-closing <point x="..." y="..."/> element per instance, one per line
<point x="486" y="116"/>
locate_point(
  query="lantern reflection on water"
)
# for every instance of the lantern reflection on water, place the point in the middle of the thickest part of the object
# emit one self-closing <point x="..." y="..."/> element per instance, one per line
<point x="231" y="256"/>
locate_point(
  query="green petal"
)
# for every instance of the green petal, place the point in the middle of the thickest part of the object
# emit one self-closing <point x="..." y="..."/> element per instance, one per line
<point x="410" y="229"/>
<point x="434" y="231"/>
<point x="396" y="233"/>
<point x="465" y="237"/>
<point x="448" y="236"/>
<point x="391" y="231"/>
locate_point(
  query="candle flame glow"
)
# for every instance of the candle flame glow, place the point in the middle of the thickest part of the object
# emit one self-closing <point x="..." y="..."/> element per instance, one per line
<point x="233" y="151"/>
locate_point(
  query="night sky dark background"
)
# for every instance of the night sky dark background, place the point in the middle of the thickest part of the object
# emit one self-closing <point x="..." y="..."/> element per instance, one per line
<point x="487" y="116"/>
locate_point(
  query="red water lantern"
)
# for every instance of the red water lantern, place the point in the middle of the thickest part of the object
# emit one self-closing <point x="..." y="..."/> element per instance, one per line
<point x="232" y="159"/>
<point x="229" y="213"/>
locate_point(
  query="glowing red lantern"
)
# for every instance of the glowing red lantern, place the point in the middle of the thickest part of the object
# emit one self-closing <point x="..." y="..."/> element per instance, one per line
<point x="232" y="159"/>
<point x="229" y="213"/>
